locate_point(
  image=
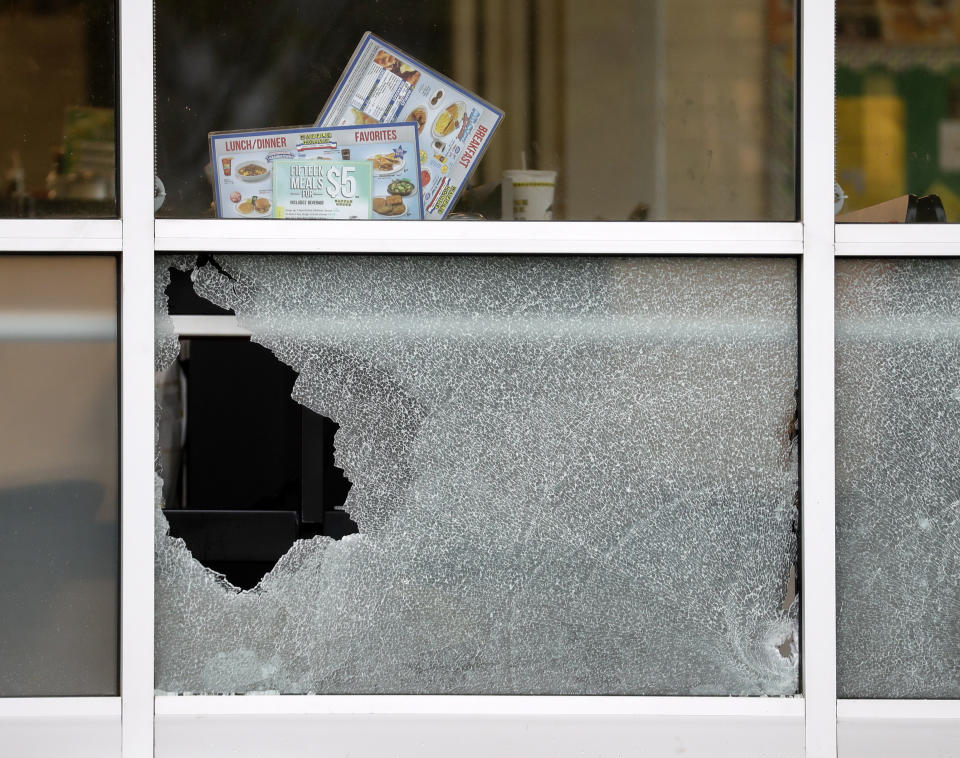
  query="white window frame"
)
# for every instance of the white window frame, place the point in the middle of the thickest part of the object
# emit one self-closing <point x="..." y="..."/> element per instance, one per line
<point x="293" y="726"/>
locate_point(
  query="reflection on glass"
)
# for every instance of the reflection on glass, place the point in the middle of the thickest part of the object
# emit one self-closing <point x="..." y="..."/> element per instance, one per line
<point x="647" y="109"/>
<point x="568" y="476"/>
<point x="57" y="122"/>
<point x="898" y="482"/>
<point x="898" y="107"/>
<point x="58" y="476"/>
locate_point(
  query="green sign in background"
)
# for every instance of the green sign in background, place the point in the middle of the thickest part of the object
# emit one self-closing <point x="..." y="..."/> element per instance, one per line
<point x="888" y="133"/>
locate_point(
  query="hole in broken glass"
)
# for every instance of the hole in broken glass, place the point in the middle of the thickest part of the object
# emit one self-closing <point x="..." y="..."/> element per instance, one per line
<point x="571" y="477"/>
<point x="248" y="471"/>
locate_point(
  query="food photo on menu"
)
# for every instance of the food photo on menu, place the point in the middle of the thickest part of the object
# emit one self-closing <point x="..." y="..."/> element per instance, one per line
<point x="369" y="171"/>
<point x="382" y="84"/>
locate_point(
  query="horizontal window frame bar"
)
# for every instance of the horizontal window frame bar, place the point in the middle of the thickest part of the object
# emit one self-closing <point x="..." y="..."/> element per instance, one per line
<point x="61" y="235"/>
<point x="870" y="728"/>
<point x="885" y="710"/>
<point x="60" y="707"/>
<point x="898" y="233"/>
<point x="479" y="705"/>
<point x="50" y="733"/>
<point x="556" y="237"/>
<point x="915" y="249"/>
<point x="476" y="736"/>
<point x="914" y="240"/>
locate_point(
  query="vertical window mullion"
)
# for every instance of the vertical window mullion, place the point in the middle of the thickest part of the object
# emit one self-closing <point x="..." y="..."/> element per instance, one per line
<point x="818" y="605"/>
<point x="136" y="378"/>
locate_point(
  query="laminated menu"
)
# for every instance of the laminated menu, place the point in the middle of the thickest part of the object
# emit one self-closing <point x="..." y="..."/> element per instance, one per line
<point x="356" y="172"/>
<point x="383" y="84"/>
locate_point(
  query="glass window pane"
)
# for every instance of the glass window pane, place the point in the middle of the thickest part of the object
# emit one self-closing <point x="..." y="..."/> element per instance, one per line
<point x="478" y="475"/>
<point x="898" y="483"/>
<point x="898" y="110"/>
<point x="57" y="113"/>
<point x="646" y="109"/>
<point x="58" y="476"/>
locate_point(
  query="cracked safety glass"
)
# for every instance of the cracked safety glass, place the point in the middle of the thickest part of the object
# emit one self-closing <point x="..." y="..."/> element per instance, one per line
<point x="898" y="483"/>
<point x="493" y="474"/>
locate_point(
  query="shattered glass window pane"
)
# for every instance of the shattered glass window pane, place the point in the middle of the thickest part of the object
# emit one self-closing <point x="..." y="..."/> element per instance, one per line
<point x="571" y="475"/>
<point x="898" y="482"/>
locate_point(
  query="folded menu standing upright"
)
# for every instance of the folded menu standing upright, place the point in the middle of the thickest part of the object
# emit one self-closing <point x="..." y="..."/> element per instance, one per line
<point x="357" y="172"/>
<point x="383" y="84"/>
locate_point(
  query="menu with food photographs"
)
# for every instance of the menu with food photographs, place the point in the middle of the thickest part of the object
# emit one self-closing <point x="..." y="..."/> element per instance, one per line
<point x="383" y="84"/>
<point x="254" y="177"/>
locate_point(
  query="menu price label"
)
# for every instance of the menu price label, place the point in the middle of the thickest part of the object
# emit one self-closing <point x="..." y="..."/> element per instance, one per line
<point x="323" y="189"/>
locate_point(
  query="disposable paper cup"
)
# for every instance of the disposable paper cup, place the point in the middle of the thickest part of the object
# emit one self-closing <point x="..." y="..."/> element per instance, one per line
<point x="528" y="195"/>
